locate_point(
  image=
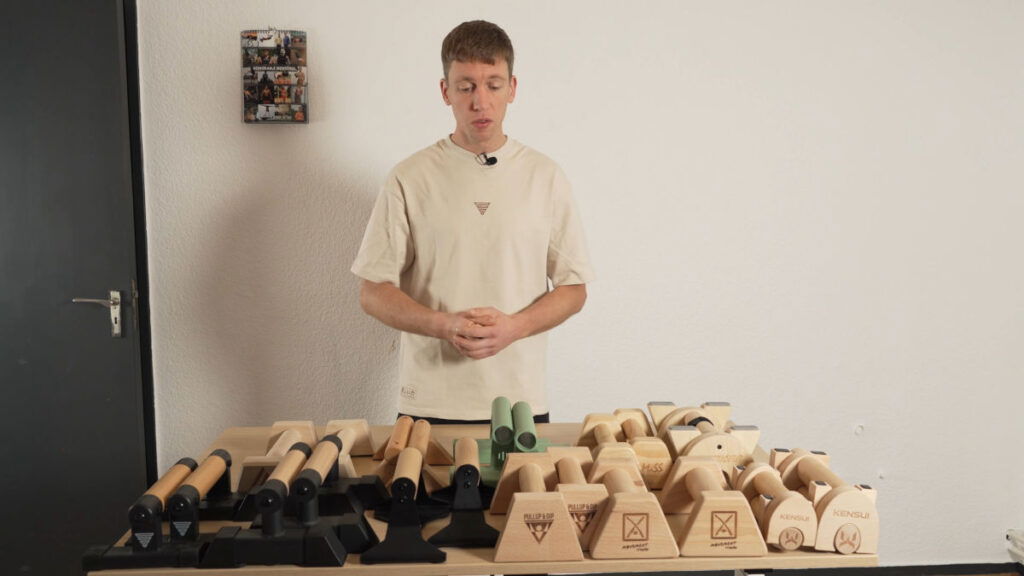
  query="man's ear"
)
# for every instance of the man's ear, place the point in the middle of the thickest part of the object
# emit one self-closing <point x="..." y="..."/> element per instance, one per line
<point x="444" y="91"/>
<point x="512" y="93"/>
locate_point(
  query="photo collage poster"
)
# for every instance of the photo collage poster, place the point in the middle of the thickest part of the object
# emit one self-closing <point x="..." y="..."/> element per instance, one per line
<point x="274" y="77"/>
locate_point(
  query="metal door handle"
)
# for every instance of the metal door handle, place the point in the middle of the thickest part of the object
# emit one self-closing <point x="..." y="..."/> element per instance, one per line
<point x="114" y="303"/>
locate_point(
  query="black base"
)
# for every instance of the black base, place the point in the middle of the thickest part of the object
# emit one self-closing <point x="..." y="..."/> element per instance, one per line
<point x="403" y="544"/>
<point x="352" y="530"/>
<point x="426" y="506"/>
<point x="468" y="529"/>
<point x="233" y="547"/>
<point x="170" y="555"/>
<point x="343" y="496"/>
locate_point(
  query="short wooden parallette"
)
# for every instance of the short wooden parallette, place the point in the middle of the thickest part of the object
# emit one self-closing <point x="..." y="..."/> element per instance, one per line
<point x="539" y="528"/>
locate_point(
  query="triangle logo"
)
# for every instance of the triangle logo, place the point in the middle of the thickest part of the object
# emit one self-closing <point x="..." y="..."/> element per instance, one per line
<point x="182" y="527"/>
<point x="583" y="518"/>
<point x="144" y="538"/>
<point x="482" y="207"/>
<point x="539" y="529"/>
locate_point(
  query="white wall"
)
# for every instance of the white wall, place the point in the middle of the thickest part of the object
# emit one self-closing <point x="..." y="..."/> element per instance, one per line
<point x="809" y="209"/>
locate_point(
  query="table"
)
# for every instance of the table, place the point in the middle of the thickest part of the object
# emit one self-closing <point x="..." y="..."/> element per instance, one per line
<point x="251" y="441"/>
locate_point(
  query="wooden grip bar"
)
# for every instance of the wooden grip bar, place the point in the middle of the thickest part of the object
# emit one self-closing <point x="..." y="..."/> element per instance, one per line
<point x="618" y="481"/>
<point x="409" y="465"/>
<point x="348" y="439"/>
<point x="324" y="455"/>
<point x="531" y="478"/>
<point x="419" y="438"/>
<point x="811" y="469"/>
<point x="632" y="429"/>
<point x="603" y="433"/>
<point x="169" y="482"/>
<point x="466" y="452"/>
<point x="699" y="480"/>
<point x="289" y="467"/>
<point x="284" y="443"/>
<point x="770" y="483"/>
<point x="207" y="474"/>
<point x="399" y="437"/>
<point x="570" y="471"/>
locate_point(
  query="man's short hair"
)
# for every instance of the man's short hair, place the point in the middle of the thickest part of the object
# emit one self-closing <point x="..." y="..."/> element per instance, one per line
<point x="476" y="41"/>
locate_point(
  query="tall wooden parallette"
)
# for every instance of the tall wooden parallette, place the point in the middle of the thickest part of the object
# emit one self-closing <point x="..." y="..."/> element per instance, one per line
<point x="539" y="528"/>
<point x="631" y="524"/>
<point x="720" y="521"/>
<point x="583" y="501"/>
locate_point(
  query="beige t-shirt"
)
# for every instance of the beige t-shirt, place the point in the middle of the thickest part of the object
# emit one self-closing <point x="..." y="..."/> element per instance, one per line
<point x="454" y="233"/>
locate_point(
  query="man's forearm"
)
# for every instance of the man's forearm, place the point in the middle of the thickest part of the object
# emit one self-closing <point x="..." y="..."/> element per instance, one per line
<point x="385" y="302"/>
<point x="551" y="309"/>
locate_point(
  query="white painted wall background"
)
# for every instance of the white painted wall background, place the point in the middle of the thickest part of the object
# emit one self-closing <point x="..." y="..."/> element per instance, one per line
<point x="809" y="209"/>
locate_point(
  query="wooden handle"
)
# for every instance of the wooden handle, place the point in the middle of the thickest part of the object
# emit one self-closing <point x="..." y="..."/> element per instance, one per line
<point x="632" y="429"/>
<point x="618" y="481"/>
<point x="399" y="437"/>
<point x="207" y="474"/>
<point x="169" y="482"/>
<point x="699" y="480"/>
<point x="769" y="482"/>
<point x="570" y="471"/>
<point x="531" y="478"/>
<point x="409" y="465"/>
<point x="466" y="452"/>
<point x="288" y="468"/>
<point x="348" y="438"/>
<point x="603" y="433"/>
<point x="324" y="456"/>
<point x="284" y="443"/>
<point x="419" y="438"/>
<point x="811" y="469"/>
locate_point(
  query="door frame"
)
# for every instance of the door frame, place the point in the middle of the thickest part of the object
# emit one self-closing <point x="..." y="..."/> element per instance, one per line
<point x="133" y="82"/>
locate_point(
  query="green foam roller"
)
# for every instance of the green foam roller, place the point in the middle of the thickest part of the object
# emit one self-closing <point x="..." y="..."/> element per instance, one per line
<point x="502" y="430"/>
<point x="526" y="431"/>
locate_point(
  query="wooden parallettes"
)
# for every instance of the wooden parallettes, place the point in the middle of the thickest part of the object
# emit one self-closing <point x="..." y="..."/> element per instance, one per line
<point x="705" y="431"/>
<point x="847" y="516"/>
<point x="720" y="521"/>
<point x="467" y="528"/>
<point x="786" y="517"/>
<point x="582" y="500"/>
<point x="145" y="514"/>
<point x="403" y="541"/>
<point x="631" y="523"/>
<point x="434" y="454"/>
<point x="183" y="506"/>
<point x="539" y="527"/>
<point x="283" y="435"/>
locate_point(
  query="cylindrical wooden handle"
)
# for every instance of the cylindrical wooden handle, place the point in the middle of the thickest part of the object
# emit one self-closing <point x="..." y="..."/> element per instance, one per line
<point x="701" y="479"/>
<point x="603" y="433"/>
<point x="207" y="474"/>
<point x="570" y="471"/>
<point x="288" y="468"/>
<point x="409" y="465"/>
<point x="324" y="456"/>
<point x="531" y="478"/>
<point x="632" y="429"/>
<point x="284" y="443"/>
<point x="348" y="438"/>
<point x="419" y="438"/>
<point x="466" y="452"/>
<point x="399" y="437"/>
<point x="618" y="481"/>
<point x="769" y="482"/>
<point x="169" y="482"/>
<point x="811" y="469"/>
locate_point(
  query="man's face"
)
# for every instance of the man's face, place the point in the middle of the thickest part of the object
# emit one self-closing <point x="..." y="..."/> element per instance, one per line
<point x="478" y="94"/>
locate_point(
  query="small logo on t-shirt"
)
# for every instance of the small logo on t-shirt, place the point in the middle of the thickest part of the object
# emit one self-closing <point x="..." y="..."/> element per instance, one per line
<point x="408" y="392"/>
<point x="482" y="207"/>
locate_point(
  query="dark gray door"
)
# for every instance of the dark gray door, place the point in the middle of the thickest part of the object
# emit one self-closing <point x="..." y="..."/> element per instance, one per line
<point x="71" y="413"/>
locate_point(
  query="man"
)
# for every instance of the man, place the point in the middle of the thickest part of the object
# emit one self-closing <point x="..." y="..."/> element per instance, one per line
<point x="462" y="243"/>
